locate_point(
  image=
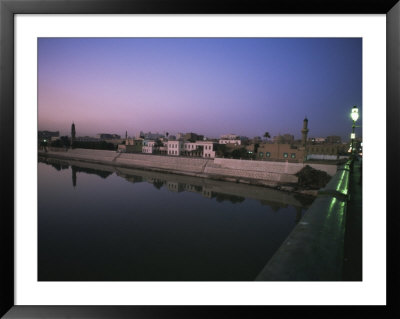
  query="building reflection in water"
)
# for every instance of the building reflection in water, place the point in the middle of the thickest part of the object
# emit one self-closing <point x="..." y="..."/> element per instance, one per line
<point x="73" y="176"/>
<point x="177" y="187"/>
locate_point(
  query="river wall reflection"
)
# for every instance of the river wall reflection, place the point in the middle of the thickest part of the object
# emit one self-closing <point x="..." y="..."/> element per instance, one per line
<point x="221" y="191"/>
<point x="104" y="223"/>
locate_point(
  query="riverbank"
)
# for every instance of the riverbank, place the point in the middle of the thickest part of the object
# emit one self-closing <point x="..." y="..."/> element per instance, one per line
<point x="279" y="175"/>
<point x="177" y="183"/>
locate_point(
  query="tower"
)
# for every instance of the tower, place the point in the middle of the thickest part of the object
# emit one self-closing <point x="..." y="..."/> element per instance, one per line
<point x="72" y="133"/>
<point x="304" y="132"/>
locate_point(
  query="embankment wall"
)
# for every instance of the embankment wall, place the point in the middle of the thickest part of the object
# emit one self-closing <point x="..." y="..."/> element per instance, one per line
<point x="262" y="172"/>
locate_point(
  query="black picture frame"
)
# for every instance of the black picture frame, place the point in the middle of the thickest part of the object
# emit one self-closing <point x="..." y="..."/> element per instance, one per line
<point x="8" y="8"/>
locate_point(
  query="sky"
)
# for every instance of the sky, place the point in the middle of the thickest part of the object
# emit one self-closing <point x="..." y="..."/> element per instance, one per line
<point x="209" y="86"/>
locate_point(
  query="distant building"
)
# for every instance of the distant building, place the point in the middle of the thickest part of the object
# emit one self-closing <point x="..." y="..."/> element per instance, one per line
<point x="308" y="149"/>
<point x="229" y="141"/>
<point x="150" y="136"/>
<point x="47" y="135"/>
<point x="86" y="139"/>
<point x="283" y="139"/>
<point x="198" y="149"/>
<point x="279" y="151"/>
<point x="256" y="140"/>
<point x="174" y="148"/>
<point x="229" y="137"/>
<point x="317" y="140"/>
<point x="114" y="141"/>
<point x="148" y="146"/>
<point x="326" y="151"/>
<point x="233" y="139"/>
<point x="105" y="136"/>
<point x="284" y="147"/>
<point x="132" y="145"/>
<point x="193" y="137"/>
<point x="333" y="139"/>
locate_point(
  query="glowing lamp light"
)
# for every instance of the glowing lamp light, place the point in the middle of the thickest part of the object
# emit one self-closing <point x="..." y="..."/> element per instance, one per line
<point x="353" y="135"/>
<point x="354" y="113"/>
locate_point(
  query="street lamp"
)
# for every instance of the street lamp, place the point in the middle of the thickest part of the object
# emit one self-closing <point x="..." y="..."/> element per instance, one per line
<point x="354" y="116"/>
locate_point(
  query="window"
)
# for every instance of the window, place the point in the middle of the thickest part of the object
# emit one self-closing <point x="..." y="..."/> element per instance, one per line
<point x="261" y="154"/>
<point x="268" y="154"/>
<point x="285" y="155"/>
<point x="293" y="155"/>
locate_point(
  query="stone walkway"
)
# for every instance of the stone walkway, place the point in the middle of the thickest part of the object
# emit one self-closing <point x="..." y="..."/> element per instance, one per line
<point x="352" y="266"/>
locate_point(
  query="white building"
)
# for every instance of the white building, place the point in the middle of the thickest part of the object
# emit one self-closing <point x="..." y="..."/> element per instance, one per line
<point x="229" y="137"/>
<point x="208" y="150"/>
<point x="320" y="139"/>
<point x="199" y="148"/>
<point x="229" y="141"/>
<point x="177" y="148"/>
<point x="174" y="148"/>
<point x="147" y="149"/>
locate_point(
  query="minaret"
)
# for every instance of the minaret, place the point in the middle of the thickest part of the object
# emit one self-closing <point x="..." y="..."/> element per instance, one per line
<point x="304" y="132"/>
<point x="72" y="133"/>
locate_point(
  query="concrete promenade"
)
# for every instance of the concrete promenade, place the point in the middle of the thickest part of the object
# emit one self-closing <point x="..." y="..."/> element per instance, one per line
<point x="326" y="244"/>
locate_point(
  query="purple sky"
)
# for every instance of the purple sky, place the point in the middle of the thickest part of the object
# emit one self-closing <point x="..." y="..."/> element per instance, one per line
<point x="210" y="86"/>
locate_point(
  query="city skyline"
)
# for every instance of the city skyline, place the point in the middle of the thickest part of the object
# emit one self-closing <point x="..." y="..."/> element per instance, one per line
<point x="210" y="86"/>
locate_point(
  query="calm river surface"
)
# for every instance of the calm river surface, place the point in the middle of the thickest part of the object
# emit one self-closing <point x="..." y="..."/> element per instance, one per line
<point x="100" y="223"/>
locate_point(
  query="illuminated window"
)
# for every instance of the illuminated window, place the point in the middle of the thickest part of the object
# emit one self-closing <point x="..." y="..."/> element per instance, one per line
<point x="268" y="154"/>
<point x="285" y="155"/>
<point x="293" y="155"/>
<point x="261" y="154"/>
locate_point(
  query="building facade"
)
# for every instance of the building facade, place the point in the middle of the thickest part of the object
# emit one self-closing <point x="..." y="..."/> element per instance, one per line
<point x="333" y="139"/>
<point x="280" y="152"/>
<point x="283" y="139"/>
<point x="106" y="136"/>
<point x="132" y="145"/>
<point x="174" y="148"/>
<point x="228" y="141"/>
<point x="229" y="137"/>
<point x="290" y="152"/>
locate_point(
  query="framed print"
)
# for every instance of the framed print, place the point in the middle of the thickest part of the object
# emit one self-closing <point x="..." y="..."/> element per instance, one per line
<point x="196" y="142"/>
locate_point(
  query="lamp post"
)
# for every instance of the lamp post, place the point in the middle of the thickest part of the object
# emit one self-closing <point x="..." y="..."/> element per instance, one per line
<point x="354" y="116"/>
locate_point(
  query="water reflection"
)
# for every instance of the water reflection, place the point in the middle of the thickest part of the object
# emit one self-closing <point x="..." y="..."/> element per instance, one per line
<point x="125" y="224"/>
<point x="175" y="183"/>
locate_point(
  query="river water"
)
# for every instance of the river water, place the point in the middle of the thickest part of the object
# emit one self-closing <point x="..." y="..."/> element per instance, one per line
<point x="100" y="223"/>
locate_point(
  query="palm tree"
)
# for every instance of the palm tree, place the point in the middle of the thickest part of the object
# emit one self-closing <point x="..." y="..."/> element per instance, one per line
<point x="266" y="135"/>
